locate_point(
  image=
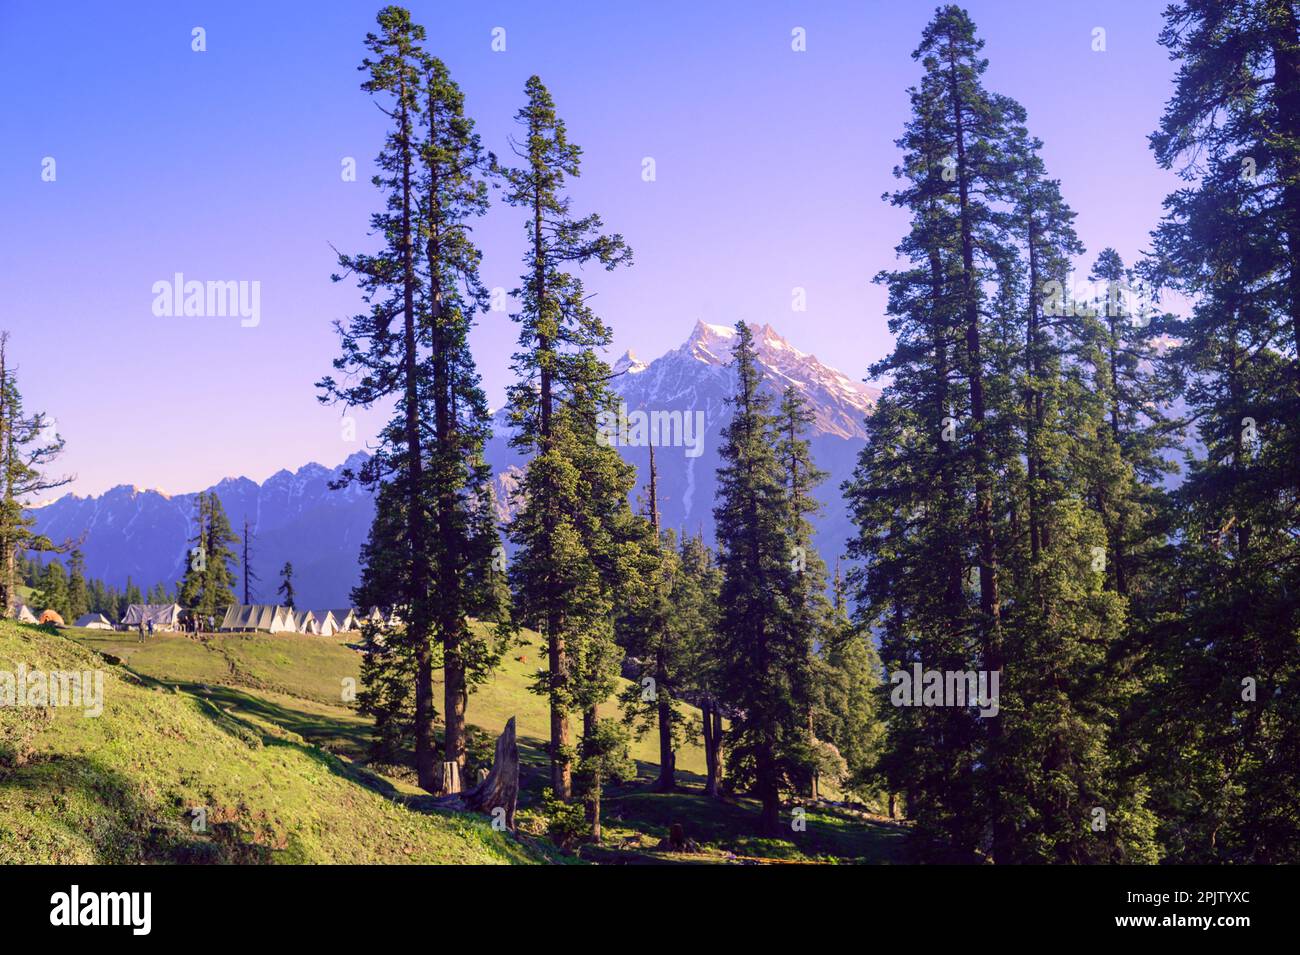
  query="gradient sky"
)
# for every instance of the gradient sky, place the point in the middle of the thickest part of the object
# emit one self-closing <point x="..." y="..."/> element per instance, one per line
<point x="225" y="165"/>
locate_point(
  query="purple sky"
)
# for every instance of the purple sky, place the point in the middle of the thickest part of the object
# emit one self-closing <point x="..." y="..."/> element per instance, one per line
<point x="225" y="165"/>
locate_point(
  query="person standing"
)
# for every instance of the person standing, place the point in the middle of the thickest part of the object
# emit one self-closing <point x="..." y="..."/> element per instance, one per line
<point x="142" y="629"/>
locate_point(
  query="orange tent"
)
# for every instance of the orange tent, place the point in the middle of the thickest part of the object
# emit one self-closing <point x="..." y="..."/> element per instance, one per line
<point x="52" y="616"/>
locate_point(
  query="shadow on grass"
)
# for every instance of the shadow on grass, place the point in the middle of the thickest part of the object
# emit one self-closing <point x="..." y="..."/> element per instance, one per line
<point x="729" y="825"/>
<point x="60" y="807"/>
<point x="339" y="735"/>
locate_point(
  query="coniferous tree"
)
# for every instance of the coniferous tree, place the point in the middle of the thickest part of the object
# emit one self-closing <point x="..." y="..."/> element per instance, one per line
<point x="981" y="455"/>
<point x="563" y="572"/>
<point x="605" y="759"/>
<point x="762" y="654"/>
<point x="846" y="680"/>
<point x="28" y="444"/>
<point x="52" y="589"/>
<point x="208" y="586"/>
<point x="131" y="595"/>
<point x="246" y="561"/>
<point x="441" y="532"/>
<point x="921" y="495"/>
<point x="1223" y="717"/>
<point x="694" y="597"/>
<point x="655" y="638"/>
<point x="463" y="514"/>
<point x="79" y="595"/>
<point x="388" y="667"/>
<point x="285" y="590"/>
<point x="810" y="618"/>
<point x="385" y="352"/>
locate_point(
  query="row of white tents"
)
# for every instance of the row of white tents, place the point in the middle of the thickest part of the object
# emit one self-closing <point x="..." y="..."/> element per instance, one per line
<point x="239" y="618"/>
<point x="271" y="618"/>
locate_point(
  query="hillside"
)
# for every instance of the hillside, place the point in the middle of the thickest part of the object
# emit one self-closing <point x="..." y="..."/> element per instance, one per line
<point x="290" y="683"/>
<point x="296" y="680"/>
<point x="122" y="787"/>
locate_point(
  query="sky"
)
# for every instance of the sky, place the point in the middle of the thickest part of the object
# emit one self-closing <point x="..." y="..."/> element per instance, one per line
<point x="226" y="165"/>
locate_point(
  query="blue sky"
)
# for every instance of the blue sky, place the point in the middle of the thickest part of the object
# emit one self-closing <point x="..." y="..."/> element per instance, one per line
<point x="225" y="165"/>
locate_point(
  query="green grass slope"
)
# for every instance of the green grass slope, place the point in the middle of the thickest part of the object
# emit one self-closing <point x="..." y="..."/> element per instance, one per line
<point x="122" y="787"/>
<point x="291" y="685"/>
<point x="298" y="680"/>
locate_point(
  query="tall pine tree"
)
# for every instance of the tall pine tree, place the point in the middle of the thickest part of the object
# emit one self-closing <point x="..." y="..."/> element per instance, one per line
<point x="1225" y="707"/>
<point x="762" y="651"/>
<point x="573" y="489"/>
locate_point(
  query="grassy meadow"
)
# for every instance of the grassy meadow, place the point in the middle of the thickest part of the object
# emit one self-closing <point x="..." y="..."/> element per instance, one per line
<point x="257" y="729"/>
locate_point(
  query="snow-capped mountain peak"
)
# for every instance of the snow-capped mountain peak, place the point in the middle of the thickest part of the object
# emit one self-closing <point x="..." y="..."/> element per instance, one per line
<point x="629" y="364"/>
<point x="839" y="403"/>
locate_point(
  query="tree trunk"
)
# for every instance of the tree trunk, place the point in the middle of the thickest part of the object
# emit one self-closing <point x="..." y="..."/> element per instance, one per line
<point x="667" y="781"/>
<point x="418" y="625"/>
<point x="561" y="766"/>
<point x="769" y="820"/>
<point x="667" y="758"/>
<point x="712" y="720"/>
<point x="990" y="610"/>
<point x="449" y="616"/>
<point x="593" y="787"/>
<point x="450" y="778"/>
<point x="814" y="778"/>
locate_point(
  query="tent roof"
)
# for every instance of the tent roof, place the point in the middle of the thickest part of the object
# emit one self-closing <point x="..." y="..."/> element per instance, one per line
<point x="158" y="613"/>
<point x="86" y="619"/>
<point x="255" y="616"/>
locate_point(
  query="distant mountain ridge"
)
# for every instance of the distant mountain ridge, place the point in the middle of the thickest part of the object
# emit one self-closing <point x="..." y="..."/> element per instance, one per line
<point x="296" y="517"/>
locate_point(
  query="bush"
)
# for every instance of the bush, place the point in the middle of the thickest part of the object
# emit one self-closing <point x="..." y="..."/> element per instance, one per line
<point x="566" y="823"/>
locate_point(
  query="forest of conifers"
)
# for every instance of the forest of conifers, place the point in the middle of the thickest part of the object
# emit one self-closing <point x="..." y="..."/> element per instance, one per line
<point x="1082" y="494"/>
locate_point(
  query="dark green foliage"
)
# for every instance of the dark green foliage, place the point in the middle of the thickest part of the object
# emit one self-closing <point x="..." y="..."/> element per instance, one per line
<point x="1222" y="716"/>
<point x="208" y="586"/>
<point x="78" y="590"/>
<point x="763" y="644"/>
<point x="28" y="444"/>
<point x="978" y="550"/>
<point x="434" y="530"/>
<point x="52" y="590"/>
<point x="846" y="675"/>
<point x="285" y="590"/>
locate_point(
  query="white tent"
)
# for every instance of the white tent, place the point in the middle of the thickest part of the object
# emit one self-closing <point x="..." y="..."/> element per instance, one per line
<point x="345" y="619"/>
<point x="265" y="617"/>
<point x="326" y="623"/>
<point x="304" y="621"/>
<point x="163" y="616"/>
<point x="93" y="621"/>
<point x="21" y="612"/>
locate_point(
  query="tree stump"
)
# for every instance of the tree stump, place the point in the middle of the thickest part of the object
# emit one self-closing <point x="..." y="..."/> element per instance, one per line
<point x="450" y="778"/>
<point x="499" y="789"/>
